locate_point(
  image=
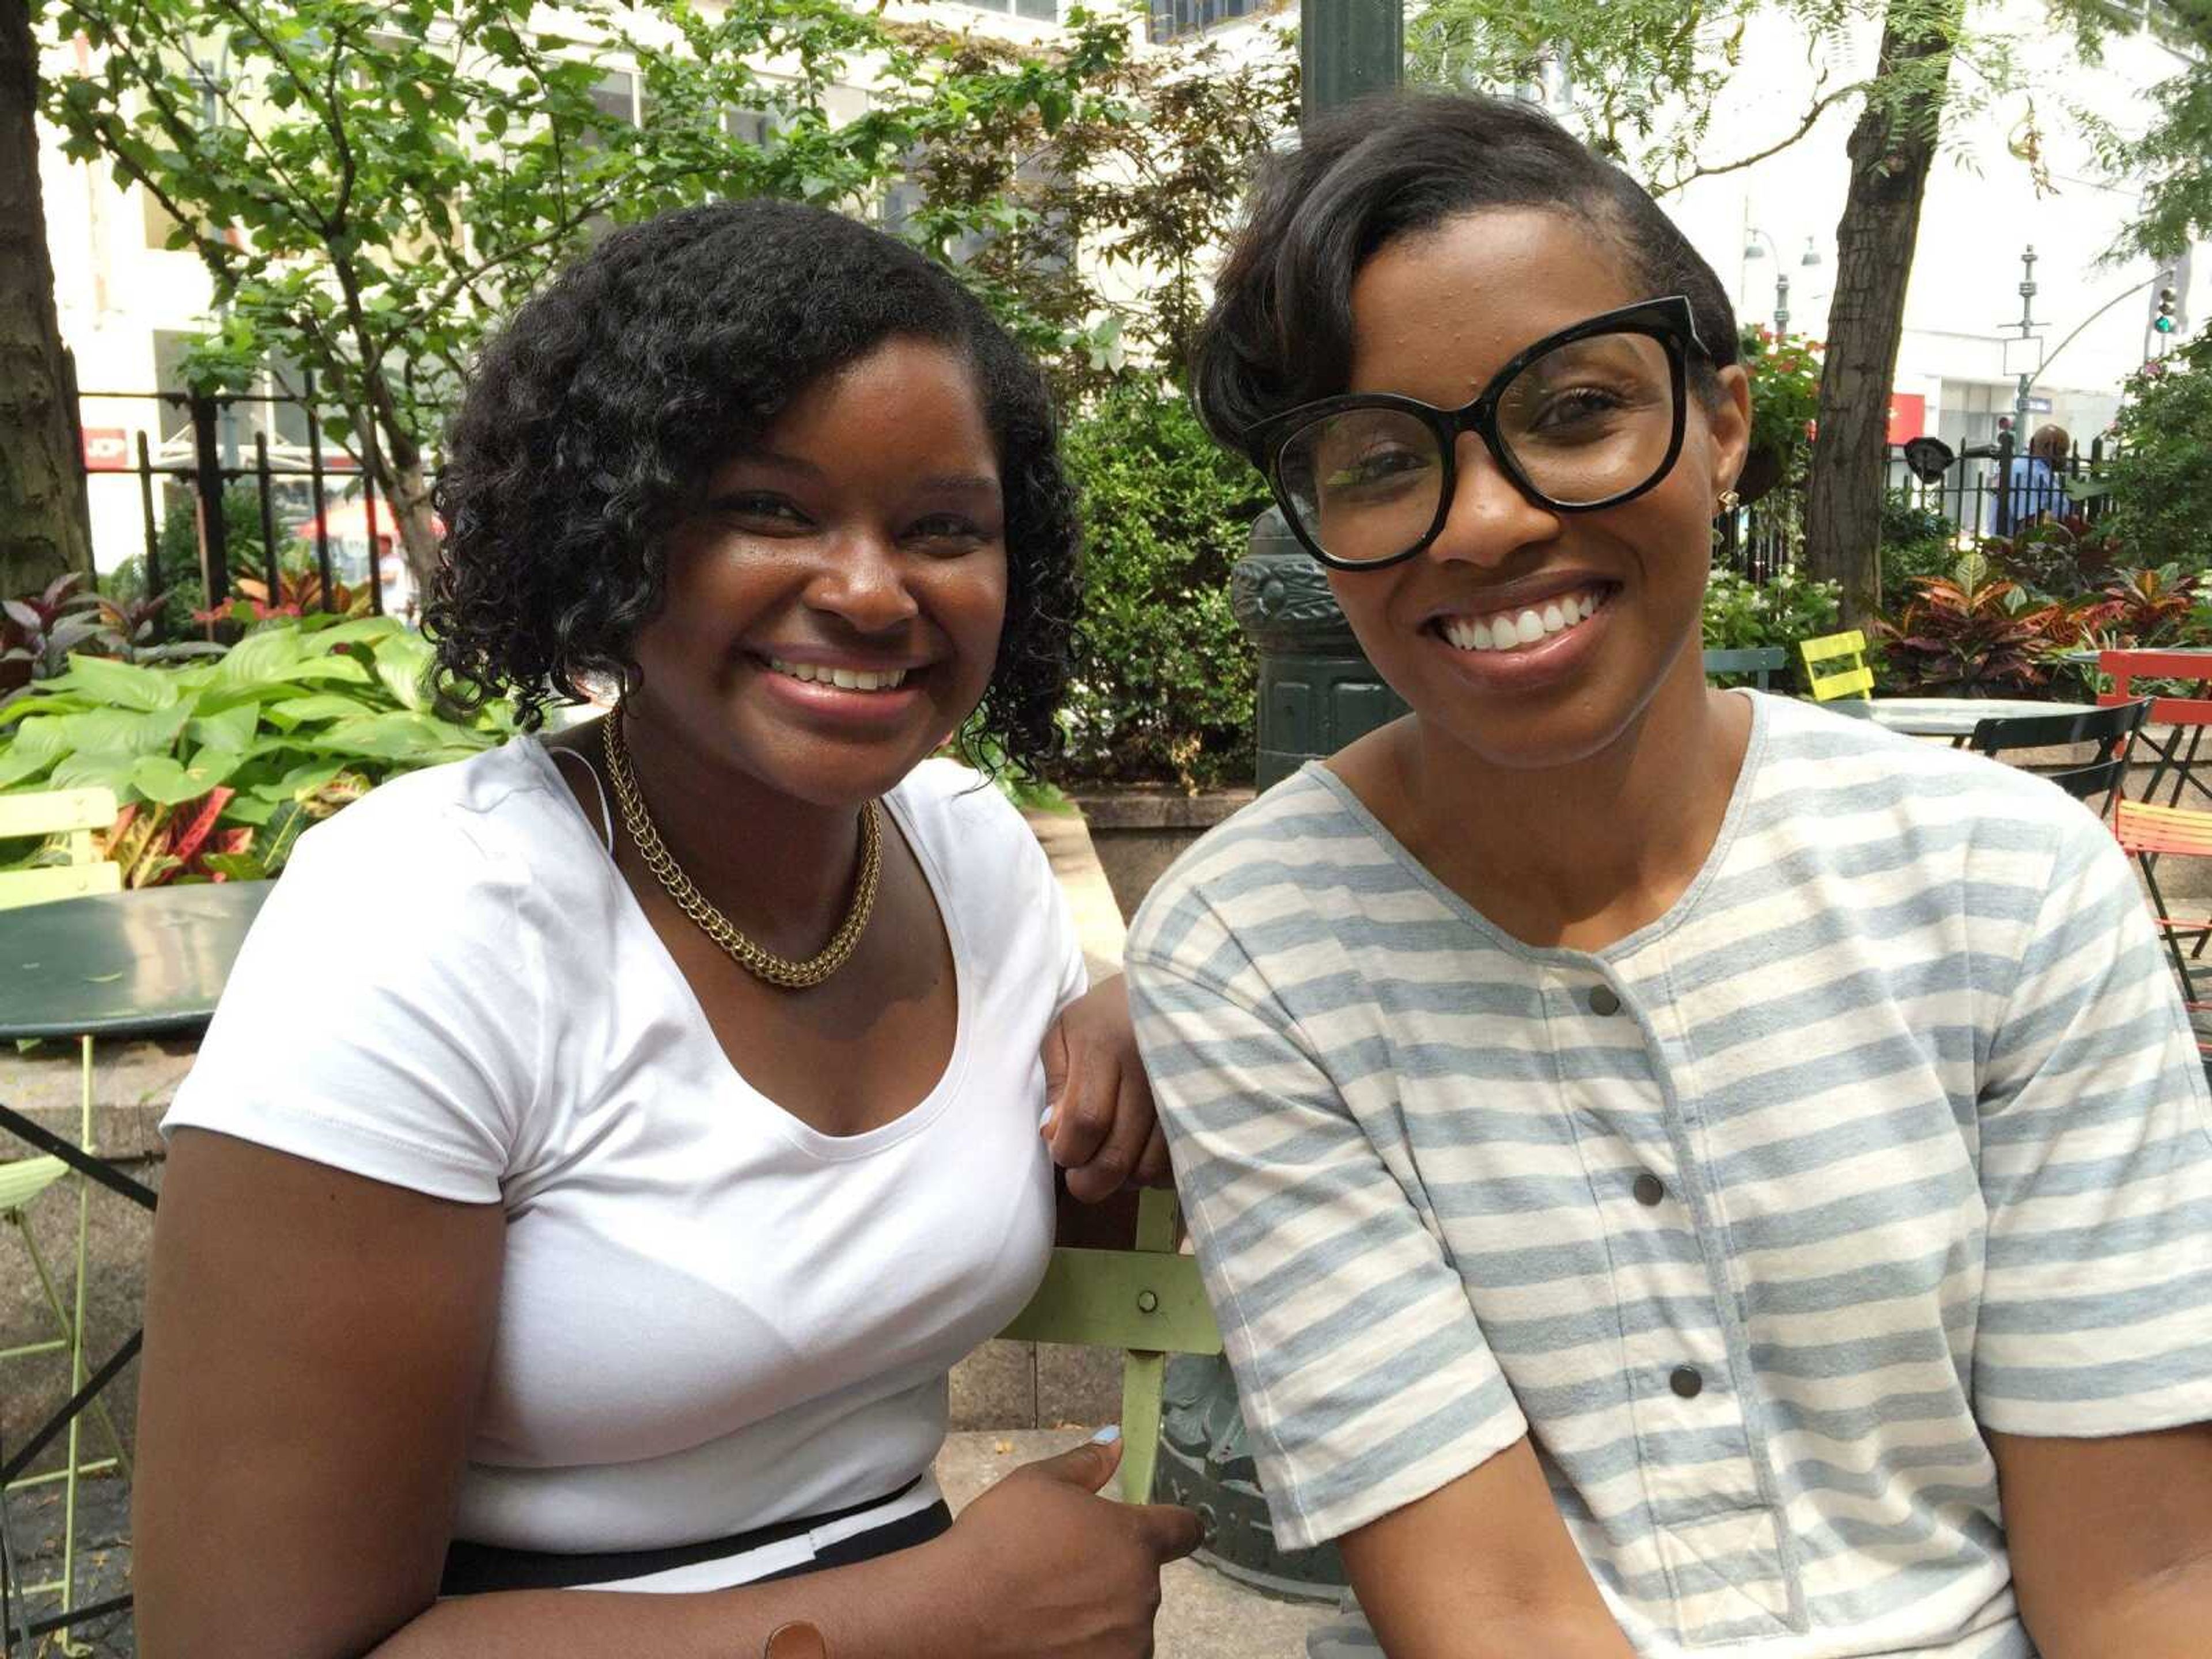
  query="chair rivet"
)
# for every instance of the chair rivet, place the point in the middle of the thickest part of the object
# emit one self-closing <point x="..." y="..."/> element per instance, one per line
<point x="1147" y="1303"/>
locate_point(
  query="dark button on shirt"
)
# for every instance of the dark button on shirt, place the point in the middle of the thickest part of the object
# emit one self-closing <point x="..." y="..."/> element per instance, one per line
<point x="1603" y="1001"/>
<point x="1649" y="1189"/>
<point x="1687" y="1382"/>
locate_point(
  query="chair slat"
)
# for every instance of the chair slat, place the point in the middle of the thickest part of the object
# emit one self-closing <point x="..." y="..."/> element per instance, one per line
<point x="58" y="881"/>
<point x="56" y="812"/>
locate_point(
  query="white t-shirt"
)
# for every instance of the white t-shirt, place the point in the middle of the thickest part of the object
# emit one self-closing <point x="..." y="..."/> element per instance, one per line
<point x="713" y="1317"/>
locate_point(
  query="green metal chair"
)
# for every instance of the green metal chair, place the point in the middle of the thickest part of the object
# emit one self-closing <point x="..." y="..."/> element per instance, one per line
<point x="1761" y="662"/>
<point x="1836" y="667"/>
<point x="66" y="818"/>
<point x="1147" y="1302"/>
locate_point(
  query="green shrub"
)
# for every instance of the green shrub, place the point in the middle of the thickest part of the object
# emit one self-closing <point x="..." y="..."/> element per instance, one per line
<point x="1742" y="615"/>
<point x="2160" y="488"/>
<point x="1164" y="683"/>
<point x="219" y="765"/>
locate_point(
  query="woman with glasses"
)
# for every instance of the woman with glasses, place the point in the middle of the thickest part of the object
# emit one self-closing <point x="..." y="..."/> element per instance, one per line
<point x="1677" y="1171"/>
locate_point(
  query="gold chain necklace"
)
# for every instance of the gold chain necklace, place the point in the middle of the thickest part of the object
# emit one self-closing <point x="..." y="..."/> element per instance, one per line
<point x="782" y="971"/>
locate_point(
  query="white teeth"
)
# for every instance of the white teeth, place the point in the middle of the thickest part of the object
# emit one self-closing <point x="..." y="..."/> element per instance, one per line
<point x="1509" y="631"/>
<point x="845" y="679"/>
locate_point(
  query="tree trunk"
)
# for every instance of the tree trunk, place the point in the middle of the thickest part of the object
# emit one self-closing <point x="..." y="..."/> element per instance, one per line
<point x="1890" y="151"/>
<point x="42" y="526"/>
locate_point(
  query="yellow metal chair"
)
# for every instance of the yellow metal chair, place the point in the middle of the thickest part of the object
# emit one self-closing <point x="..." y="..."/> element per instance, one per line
<point x="1147" y="1302"/>
<point x="1836" y="666"/>
<point x="67" y="819"/>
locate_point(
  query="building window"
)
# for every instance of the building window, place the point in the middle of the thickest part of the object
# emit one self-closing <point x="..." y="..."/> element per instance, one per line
<point x="1171" y="19"/>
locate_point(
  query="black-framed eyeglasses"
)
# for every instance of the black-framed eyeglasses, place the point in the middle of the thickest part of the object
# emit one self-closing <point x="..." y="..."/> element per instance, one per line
<point x="1585" y="418"/>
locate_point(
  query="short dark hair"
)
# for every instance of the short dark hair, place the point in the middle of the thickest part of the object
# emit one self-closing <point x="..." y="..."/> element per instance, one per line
<point x="596" y="417"/>
<point x="1279" y="333"/>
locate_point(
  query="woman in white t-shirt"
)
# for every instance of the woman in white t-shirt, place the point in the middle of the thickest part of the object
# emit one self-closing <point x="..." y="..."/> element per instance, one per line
<point x="551" y="1211"/>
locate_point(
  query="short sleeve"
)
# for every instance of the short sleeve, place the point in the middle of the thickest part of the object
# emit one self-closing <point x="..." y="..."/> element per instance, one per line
<point x="1366" y="1380"/>
<point x="2096" y="1170"/>
<point x="383" y="1015"/>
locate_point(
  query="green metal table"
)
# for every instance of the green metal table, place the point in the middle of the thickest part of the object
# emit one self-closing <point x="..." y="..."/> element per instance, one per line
<point x="144" y="963"/>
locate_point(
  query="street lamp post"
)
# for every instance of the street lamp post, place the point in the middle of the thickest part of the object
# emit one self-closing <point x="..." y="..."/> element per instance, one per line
<point x="1753" y="235"/>
<point x="1317" y="691"/>
<point x="1348" y="49"/>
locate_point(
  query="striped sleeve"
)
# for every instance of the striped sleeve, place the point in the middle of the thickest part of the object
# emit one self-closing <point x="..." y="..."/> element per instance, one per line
<point x="1366" y="1380"/>
<point x="2096" y="1170"/>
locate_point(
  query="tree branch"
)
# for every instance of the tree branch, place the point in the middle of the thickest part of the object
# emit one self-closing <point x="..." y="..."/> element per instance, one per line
<point x="1820" y="107"/>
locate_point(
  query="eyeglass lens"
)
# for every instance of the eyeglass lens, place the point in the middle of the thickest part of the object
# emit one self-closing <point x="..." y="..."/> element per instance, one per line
<point x="1586" y="422"/>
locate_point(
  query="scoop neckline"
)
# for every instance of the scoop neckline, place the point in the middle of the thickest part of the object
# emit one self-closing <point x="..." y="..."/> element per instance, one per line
<point x="1627" y="945"/>
<point x="828" y="1148"/>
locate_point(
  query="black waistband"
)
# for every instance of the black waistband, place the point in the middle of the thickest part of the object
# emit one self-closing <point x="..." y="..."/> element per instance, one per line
<point x="475" y="1568"/>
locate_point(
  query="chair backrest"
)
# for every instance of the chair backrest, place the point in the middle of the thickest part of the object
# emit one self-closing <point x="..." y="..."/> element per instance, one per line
<point x="1147" y="1302"/>
<point x="73" y="814"/>
<point x="2123" y="668"/>
<point x="1835" y="666"/>
<point x="2111" y="728"/>
<point x="1761" y="662"/>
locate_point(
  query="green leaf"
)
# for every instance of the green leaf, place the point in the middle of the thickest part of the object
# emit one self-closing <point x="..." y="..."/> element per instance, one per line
<point x="295" y="712"/>
<point x="122" y="684"/>
<point x="158" y="778"/>
<point x="98" y="769"/>
<point x="237" y="866"/>
<point x="232" y="728"/>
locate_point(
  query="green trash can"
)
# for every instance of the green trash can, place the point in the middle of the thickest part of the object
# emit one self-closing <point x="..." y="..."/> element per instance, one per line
<point x="1317" y="690"/>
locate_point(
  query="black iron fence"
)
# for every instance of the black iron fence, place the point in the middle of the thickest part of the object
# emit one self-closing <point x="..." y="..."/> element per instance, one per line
<point x="311" y="506"/>
<point x="1995" y="490"/>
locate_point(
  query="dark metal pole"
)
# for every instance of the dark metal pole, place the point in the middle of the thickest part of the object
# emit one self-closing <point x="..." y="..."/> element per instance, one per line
<point x="1317" y="691"/>
<point x="1348" y="49"/>
<point x="208" y="481"/>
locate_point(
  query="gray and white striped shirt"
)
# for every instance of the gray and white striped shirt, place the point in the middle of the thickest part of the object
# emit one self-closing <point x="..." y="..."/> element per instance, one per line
<point x="1890" y="1131"/>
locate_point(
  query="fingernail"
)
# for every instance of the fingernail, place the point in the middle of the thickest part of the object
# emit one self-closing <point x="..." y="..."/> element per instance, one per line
<point x="1107" y="1436"/>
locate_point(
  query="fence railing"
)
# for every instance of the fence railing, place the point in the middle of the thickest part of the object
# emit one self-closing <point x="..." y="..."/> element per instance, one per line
<point x="310" y="498"/>
<point x="1970" y="491"/>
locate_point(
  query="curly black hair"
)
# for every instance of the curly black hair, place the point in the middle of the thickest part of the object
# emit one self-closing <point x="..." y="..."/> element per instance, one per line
<point x="596" y="417"/>
<point x="1392" y="165"/>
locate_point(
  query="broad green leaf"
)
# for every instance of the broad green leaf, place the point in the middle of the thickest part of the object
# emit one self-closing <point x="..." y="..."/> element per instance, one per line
<point x="232" y="728"/>
<point x="296" y="711"/>
<point x="238" y="866"/>
<point x="258" y="658"/>
<point x="18" y="763"/>
<point x="336" y="666"/>
<point x="160" y="778"/>
<point x="98" y="769"/>
<point x="119" y="684"/>
<point x="249" y="809"/>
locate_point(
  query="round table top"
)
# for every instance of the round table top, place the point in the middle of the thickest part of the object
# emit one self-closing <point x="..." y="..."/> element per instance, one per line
<point x="1956" y="717"/>
<point x="123" y="964"/>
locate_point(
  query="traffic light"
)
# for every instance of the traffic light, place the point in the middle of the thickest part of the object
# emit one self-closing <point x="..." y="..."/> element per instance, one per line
<point x="2164" y="321"/>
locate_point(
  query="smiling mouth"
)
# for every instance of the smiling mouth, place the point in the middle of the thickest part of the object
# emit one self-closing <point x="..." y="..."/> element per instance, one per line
<point x="1525" y="625"/>
<point x="845" y="679"/>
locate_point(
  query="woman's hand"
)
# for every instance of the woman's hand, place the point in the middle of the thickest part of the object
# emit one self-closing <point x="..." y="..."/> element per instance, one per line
<point x="1100" y="1126"/>
<point x="1052" y="1571"/>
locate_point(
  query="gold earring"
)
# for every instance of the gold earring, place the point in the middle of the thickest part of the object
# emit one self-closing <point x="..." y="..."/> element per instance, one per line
<point x="1728" y="501"/>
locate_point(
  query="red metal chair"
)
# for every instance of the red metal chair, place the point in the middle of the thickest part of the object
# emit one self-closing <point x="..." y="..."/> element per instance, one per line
<point x="2185" y="718"/>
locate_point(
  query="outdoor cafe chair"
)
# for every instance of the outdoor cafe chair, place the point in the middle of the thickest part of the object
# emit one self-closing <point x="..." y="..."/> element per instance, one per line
<point x="1148" y="1303"/>
<point x="2185" y="718"/>
<point x="2095" y="781"/>
<point x="1761" y="662"/>
<point x="64" y="819"/>
<point x="1836" y="669"/>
